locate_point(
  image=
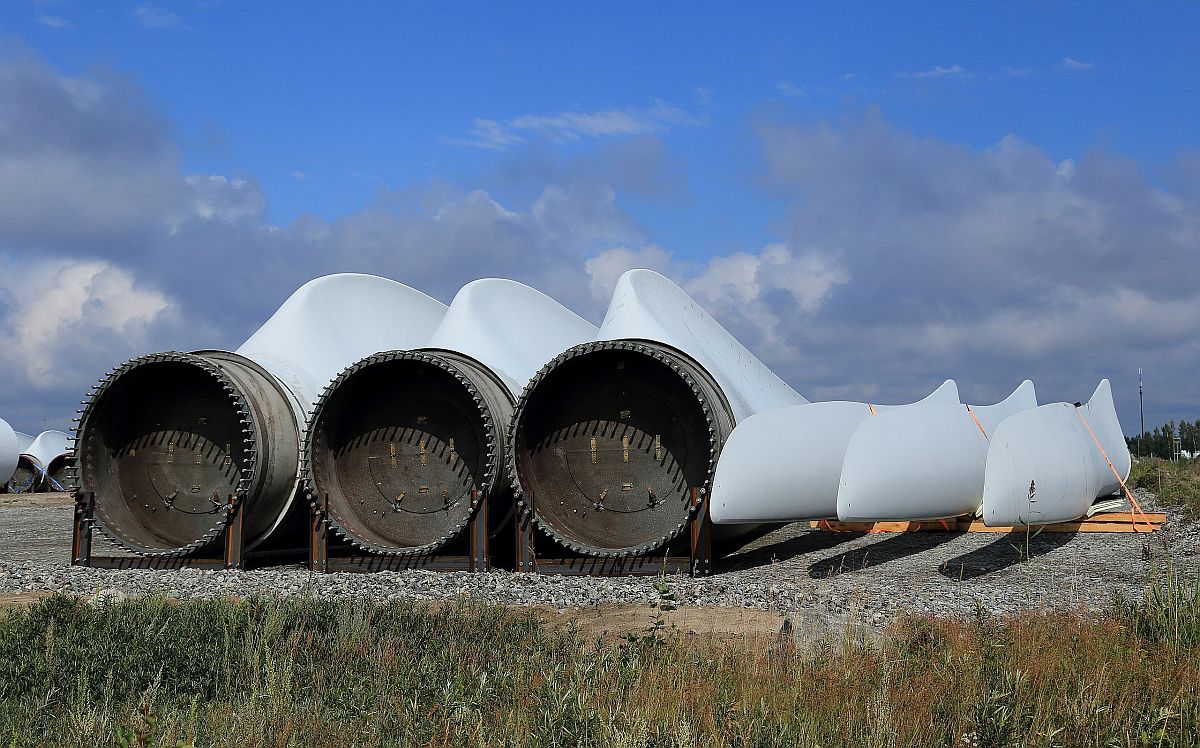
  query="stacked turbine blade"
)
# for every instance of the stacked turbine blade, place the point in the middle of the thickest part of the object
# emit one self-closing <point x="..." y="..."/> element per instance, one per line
<point x="611" y="438"/>
<point x="400" y="411"/>
<point x="166" y="441"/>
<point x="405" y="445"/>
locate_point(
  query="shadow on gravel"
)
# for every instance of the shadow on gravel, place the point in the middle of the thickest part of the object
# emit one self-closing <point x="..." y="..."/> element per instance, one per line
<point x="896" y="547"/>
<point x="808" y="542"/>
<point x="1005" y="551"/>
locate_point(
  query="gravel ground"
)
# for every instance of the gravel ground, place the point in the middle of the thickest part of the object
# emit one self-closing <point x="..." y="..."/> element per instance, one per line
<point x="813" y="576"/>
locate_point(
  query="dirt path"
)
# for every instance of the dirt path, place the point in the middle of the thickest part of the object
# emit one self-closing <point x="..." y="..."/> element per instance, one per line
<point x="35" y="500"/>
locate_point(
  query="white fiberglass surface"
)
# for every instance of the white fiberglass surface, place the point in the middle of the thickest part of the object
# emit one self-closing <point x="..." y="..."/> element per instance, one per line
<point x="647" y="306"/>
<point x="334" y="321"/>
<point x="47" y="446"/>
<point x="990" y="416"/>
<point x="510" y="328"/>
<point x="785" y="465"/>
<point x="23" y="442"/>
<point x="9" y="453"/>
<point x="922" y="463"/>
<point x="1044" y="465"/>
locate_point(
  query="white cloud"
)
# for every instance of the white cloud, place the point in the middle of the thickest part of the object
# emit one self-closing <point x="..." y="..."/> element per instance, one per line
<point x="487" y="133"/>
<point x="747" y="290"/>
<point x="576" y="125"/>
<point x="155" y="17"/>
<point x="790" y="90"/>
<point x="1070" y="63"/>
<point x="604" y="268"/>
<point x="54" y="22"/>
<point x="937" y="71"/>
<point x="64" y="314"/>
<point x="218" y="198"/>
<point x="1016" y="72"/>
<point x="991" y="265"/>
<point x="902" y="260"/>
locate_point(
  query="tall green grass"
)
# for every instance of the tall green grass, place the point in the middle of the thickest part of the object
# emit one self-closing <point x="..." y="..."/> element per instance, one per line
<point x="354" y="673"/>
<point x="1174" y="483"/>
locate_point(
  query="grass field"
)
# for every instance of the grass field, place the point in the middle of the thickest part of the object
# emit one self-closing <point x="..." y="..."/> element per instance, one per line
<point x="152" y="672"/>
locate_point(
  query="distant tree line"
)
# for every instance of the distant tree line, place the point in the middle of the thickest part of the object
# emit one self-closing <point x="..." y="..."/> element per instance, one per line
<point x="1159" y="442"/>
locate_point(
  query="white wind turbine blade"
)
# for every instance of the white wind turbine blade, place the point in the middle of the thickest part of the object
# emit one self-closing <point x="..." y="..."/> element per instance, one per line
<point x="23" y="442"/>
<point x="612" y="436"/>
<point x="510" y="328"/>
<point x="1043" y="465"/>
<point x="49" y="452"/>
<point x="239" y="415"/>
<point x="921" y="463"/>
<point x="462" y="383"/>
<point x="785" y="465"/>
<point x="333" y="321"/>
<point x="9" y="452"/>
<point x="647" y="306"/>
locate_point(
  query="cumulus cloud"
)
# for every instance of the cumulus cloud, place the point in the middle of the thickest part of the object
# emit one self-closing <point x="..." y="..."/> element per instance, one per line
<point x="105" y="243"/>
<point x="899" y="260"/>
<point x="759" y="296"/>
<point x="988" y="264"/>
<point x="63" y="320"/>
<point x="82" y="159"/>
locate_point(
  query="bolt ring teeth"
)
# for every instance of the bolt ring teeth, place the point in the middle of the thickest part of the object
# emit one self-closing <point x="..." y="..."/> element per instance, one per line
<point x="337" y="523"/>
<point x="102" y="521"/>
<point x="518" y="415"/>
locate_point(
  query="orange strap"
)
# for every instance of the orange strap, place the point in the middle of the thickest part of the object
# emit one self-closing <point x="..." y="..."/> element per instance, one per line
<point x="872" y="407"/>
<point x="1134" y="506"/>
<point x="980" y="425"/>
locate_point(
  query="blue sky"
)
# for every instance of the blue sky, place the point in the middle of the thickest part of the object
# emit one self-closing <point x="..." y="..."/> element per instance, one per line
<point x="935" y="179"/>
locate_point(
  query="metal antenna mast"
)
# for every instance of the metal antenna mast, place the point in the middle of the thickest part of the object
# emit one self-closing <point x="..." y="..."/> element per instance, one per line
<point x="1141" y="413"/>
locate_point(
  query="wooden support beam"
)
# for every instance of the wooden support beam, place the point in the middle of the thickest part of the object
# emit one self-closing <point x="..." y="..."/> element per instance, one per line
<point x="1104" y="522"/>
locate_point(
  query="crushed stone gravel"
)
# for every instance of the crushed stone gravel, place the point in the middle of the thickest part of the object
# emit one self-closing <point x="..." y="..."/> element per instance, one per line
<point x="818" y="577"/>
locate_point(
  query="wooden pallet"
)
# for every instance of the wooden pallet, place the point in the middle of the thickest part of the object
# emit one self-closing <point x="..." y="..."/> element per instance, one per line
<point x="1104" y="522"/>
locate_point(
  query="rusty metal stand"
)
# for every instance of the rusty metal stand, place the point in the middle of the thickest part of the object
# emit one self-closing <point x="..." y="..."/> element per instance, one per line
<point x="320" y="559"/>
<point x="698" y="563"/>
<point x="233" y="556"/>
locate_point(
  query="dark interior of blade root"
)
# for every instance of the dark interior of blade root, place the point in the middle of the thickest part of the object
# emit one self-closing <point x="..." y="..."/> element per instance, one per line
<point x="162" y="449"/>
<point x="24" y="478"/>
<point x="58" y="473"/>
<point x="609" y="446"/>
<point x="398" y="448"/>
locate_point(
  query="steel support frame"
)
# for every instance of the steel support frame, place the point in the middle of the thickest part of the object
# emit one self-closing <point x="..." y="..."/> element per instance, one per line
<point x="321" y="560"/>
<point x="233" y="556"/>
<point x="698" y="563"/>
